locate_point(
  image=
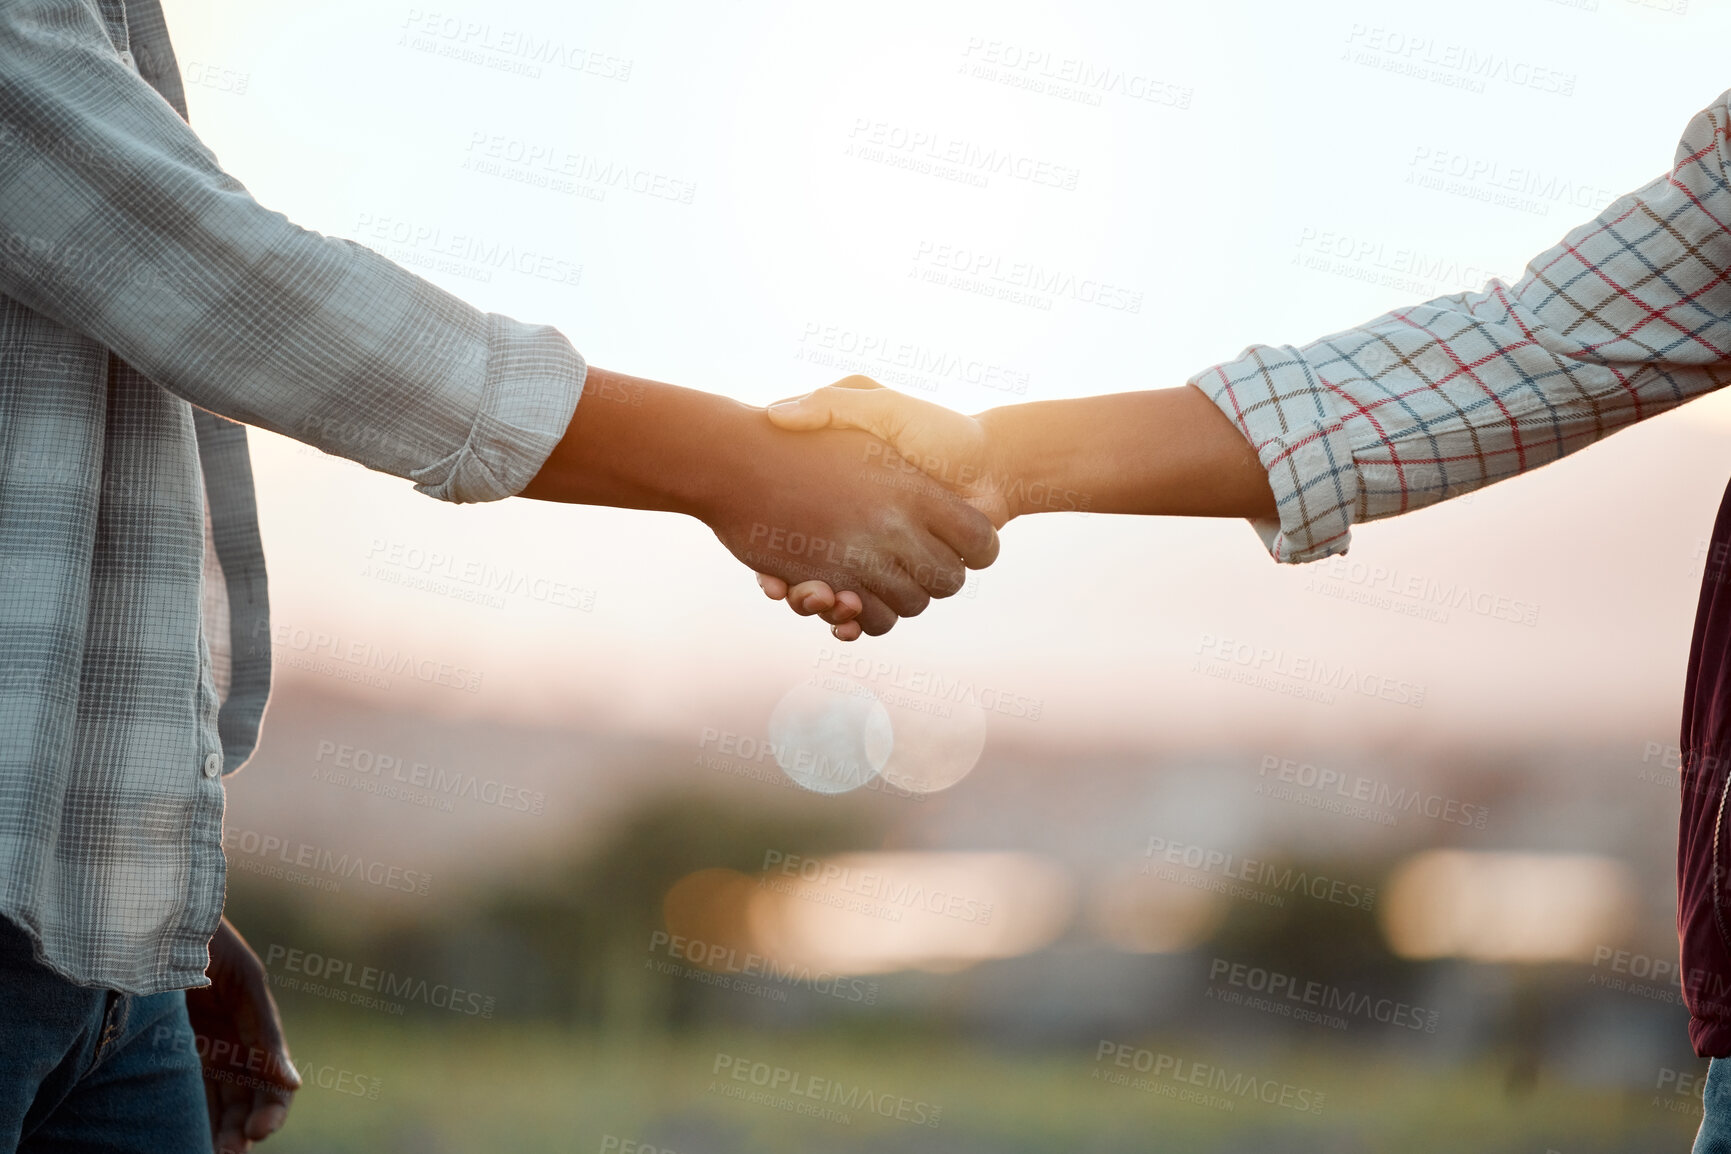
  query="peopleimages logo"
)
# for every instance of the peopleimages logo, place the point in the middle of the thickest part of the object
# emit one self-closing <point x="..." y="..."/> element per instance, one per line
<point x="320" y="652"/>
<point x="1515" y="186"/>
<point x="864" y="887"/>
<point x="1088" y="78"/>
<point x="721" y="960"/>
<point x="360" y="982"/>
<point x="468" y="254"/>
<point x="472" y="578"/>
<point x="882" y="140"/>
<point x="760" y="759"/>
<point x="343" y="866"/>
<point x="1369" y="259"/>
<point x="1415" y="594"/>
<point x="493" y="153"/>
<point x="1451" y="65"/>
<point x="928" y="686"/>
<point x="504" y="47"/>
<point x="1201" y="1081"/>
<point x="355" y="765"/>
<point x="1648" y="976"/>
<point x="922" y="366"/>
<point x="1678" y="1091"/>
<point x="802" y="1091"/>
<point x="1020" y="282"/>
<point x="1232" y="868"/>
<point x="1353" y="795"/>
<point x="257" y="1068"/>
<point x="1299" y="675"/>
<point x="1663" y="764"/>
<point x="1257" y="988"/>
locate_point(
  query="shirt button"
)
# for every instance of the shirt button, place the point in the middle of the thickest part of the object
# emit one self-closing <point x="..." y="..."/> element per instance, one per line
<point x="212" y="764"/>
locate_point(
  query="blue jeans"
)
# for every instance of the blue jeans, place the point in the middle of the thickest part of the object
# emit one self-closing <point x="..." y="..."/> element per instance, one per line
<point x="84" y="1069"/>
<point x="1715" y="1133"/>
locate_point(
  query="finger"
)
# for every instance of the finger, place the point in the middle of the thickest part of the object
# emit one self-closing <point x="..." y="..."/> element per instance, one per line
<point x="912" y="554"/>
<point x="269" y="1111"/>
<point x="847" y="607"/>
<point x="937" y="567"/>
<point x="231" y="1131"/>
<point x="875" y="618"/>
<point x="856" y="381"/>
<point x="809" y="597"/>
<point x="882" y="593"/>
<point x="260" y="1025"/>
<point x="867" y="406"/>
<point x="963" y="528"/>
<point x="846" y="631"/>
<point x="896" y="588"/>
<point x="860" y="382"/>
<point x="251" y="1008"/>
<point x="773" y="587"/>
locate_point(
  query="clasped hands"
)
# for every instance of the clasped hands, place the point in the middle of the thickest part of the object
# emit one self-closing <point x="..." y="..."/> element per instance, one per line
<point x="859" y="504"/>
<point x="802" y="499"/>
<point x="918" y="441"/>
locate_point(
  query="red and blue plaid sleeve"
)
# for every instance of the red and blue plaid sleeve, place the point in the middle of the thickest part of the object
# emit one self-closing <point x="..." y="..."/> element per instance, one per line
<point x="1627" y="317"/>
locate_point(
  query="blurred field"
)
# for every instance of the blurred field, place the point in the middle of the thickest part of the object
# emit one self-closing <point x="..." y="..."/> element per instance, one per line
<point x="489" y="1086"/>
<point x="594" y="1041"/>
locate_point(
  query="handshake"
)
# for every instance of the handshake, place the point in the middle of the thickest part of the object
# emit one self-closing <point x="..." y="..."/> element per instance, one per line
<point x="917" y="445"/>
<point x="859" y="504"/>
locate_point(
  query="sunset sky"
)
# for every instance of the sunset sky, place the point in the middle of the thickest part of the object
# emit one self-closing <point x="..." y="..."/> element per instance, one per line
<point x="731" y="209"/>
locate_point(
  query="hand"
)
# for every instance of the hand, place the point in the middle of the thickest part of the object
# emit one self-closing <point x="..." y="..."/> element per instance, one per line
<point x="797" y="506"/>
<point x="927" y="438"/>
<point x="809" y="508"/>
<point x="809" y="597"/>
<point x="249" y="1080"/>
<point x="947" y="446"/>
<point x="1154" y="453"/>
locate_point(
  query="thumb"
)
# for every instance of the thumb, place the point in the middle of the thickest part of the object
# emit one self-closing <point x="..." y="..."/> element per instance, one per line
<point x="834" y="407"/>
<point x="800" y="414"/>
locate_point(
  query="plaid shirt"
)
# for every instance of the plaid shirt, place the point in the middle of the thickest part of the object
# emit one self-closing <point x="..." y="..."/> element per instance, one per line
<point x="1626" y="317"/>
<point x="142" y="291"/>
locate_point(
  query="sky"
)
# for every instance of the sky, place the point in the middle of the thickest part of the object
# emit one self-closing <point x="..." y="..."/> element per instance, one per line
<point x="751" y="199"/>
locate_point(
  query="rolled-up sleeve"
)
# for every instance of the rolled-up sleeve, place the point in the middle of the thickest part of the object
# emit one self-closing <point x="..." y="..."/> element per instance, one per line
<point x="118" y="223"/>
<point x="1627" y="317"/>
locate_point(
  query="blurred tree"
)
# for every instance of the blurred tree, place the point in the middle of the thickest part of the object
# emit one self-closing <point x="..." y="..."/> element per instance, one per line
<point x="582" y="932"/>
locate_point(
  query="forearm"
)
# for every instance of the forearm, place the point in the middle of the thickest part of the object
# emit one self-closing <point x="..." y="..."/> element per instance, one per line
<point x="1165" y="452"/>
<point x="641" y="444"/>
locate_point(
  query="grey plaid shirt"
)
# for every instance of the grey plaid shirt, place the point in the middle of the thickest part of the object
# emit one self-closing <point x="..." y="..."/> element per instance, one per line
<point x="142" y="292"/>
<point x="1627" y="317"/>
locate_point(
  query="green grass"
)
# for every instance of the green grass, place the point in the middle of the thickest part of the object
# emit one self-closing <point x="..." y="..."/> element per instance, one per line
<point x="464" y="1086"/>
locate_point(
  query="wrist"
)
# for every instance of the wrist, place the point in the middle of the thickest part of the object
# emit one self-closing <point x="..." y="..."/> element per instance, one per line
<point x="1001" y="459"/>
<point x="640" y="444"/>
<point x="1041" y="458"/>
<point x="721" y="457"/>
<point x="706" y="453"/>
<point x="1035" y="455"/>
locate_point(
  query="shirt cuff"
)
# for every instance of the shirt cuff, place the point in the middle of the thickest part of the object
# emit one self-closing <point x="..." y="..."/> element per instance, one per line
<point x="533" y="381"/>
<point x="1299" y="432"/>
